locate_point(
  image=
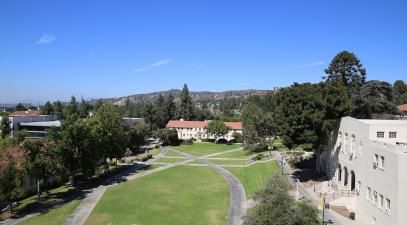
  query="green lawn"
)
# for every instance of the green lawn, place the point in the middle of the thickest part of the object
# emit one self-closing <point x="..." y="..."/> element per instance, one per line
<point x="55" y="216"/>
<point x="227" y="162"/>
<point x="169" y="160"/>
<point x="181" y="195"/>
<point x="254" y="177"/>
<point x="205" y="148"/>
<point x="239" y="155"/>
<point x="171" y="153"/>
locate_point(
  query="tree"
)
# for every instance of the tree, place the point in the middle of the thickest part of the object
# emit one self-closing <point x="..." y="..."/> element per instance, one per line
<point x="20" y="107"/>
<point x="9" y="181"/>
<point x="170" y="106"/>
<point x="5" y="126"/>
<point x="299" y="115"/>
<point x="276" y="207"/>
<point x="346" y="67"/>
<point x="137" y="135"/>
<point x="77" y="146"/>
<point x="84" y="108"/>
<point x="48" y="109"/>
<point x="40" y="162"/>
<point x="238" y="138"/>
<point x="168" y="136"/>
<point x="109" y="133"/>
<point x="186" y="107"/>
<point x="217" y="128"/>
<point x="399" y="92"/>
<point x="58" y="109"/>
<point x="374" y="98"/>
<point x="71" y="110"/>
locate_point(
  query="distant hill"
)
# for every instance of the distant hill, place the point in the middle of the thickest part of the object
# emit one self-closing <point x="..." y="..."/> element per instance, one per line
<point x="197" y="96"/>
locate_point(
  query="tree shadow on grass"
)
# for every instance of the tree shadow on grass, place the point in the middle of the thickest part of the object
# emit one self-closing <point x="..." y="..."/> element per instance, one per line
<point x="305" y="171"/>
<point x="81" y="189"/>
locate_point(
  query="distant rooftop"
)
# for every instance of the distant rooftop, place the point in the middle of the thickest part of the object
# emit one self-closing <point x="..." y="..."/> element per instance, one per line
<point x="384" y="122"/>
<point x="200" y="124"/>
<point x="26" y="113"/>
<point x="402" y="108"/>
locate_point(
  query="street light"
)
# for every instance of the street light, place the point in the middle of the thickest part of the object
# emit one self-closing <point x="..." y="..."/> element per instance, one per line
<point x="282" y="162"/>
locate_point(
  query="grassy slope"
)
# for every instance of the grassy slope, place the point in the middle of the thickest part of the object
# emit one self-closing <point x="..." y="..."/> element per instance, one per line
<point x="255" y="176"/>
<point x="180" y="195"/>
<point x="55" y="216"/>
<point x="227" y="162"/>
<point x="169" y="160"/>
<point x="239" y="155"/>
<point x="204" y="148"/>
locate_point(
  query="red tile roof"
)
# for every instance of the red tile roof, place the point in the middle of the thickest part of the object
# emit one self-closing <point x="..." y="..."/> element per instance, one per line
<point x="26" y="113"/>
<point x="403" y="108"/>
<point x="200" y="124"/>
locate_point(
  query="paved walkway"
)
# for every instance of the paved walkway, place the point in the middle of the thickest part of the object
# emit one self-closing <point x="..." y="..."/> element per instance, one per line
<point x="305" y="193"/>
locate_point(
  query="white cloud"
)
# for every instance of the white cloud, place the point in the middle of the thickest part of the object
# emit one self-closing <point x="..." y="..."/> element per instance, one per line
<point x="153" y="65"/>
<point x="46" y="39"/>
<point x="313" y="64"/>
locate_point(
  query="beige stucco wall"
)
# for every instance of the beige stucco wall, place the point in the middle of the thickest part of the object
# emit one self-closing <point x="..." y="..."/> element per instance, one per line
<point x="389" y="181"/>
<point x="201" y="133"/>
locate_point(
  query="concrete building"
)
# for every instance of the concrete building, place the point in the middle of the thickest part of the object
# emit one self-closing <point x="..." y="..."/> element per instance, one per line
<point x="367" y="164"/>
<point x="32" y="120"/>
<point x="197" y="129"/>
<point x="130" y="121"/>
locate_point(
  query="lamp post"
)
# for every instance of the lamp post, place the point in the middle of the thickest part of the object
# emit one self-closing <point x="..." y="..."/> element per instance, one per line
<point x="323" y="212"/>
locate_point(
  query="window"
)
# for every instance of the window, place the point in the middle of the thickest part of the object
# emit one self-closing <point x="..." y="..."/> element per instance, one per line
<point x="381" y="162"/>
<point x="392" y="134"/>
<point x="381" y="201"/>
<point x="380" y="134"/>
<point x="376" y="158"/>
<point x="368" y="193"/>
<point x="353" y="147"/>
<point x="387" y="207"/>
<point x="374" y="197"/>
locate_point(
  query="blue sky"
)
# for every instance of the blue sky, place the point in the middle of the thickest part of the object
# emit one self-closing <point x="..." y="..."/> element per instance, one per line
<point x="54" y="49"/>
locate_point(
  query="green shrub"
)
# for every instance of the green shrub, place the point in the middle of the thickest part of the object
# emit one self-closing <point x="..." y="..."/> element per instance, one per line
<point x="258" y="157"/>
<point x="146" y="157"/>
<point x="188" y="141"/>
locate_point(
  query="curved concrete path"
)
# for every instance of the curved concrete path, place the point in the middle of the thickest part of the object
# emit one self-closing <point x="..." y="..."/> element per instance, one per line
<point x="238" y="203"/>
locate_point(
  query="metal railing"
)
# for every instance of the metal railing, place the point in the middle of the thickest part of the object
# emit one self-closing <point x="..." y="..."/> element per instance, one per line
<point x="339" y="194"/>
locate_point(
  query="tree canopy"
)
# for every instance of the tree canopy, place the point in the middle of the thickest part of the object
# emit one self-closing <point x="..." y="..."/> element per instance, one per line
<point x="347" y="68"/>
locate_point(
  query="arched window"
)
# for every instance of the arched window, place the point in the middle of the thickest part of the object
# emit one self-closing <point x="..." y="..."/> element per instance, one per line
<point x="353" y="144"/>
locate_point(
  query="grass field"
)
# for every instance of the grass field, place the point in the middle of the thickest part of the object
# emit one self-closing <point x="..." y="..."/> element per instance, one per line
<point x="205" y="148"/>
<point x="227" y="162"/>
<point x="181" y="195"/>
<point x="254" y="177"/>
<point x="55" y="216"/>
<point x="169" y="160"/>
<point x="171" y="153"/>
<point x="238" y="155"/>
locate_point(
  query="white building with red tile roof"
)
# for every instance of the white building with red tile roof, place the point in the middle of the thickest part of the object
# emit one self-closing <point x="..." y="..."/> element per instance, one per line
<point x="197" y="129"/>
